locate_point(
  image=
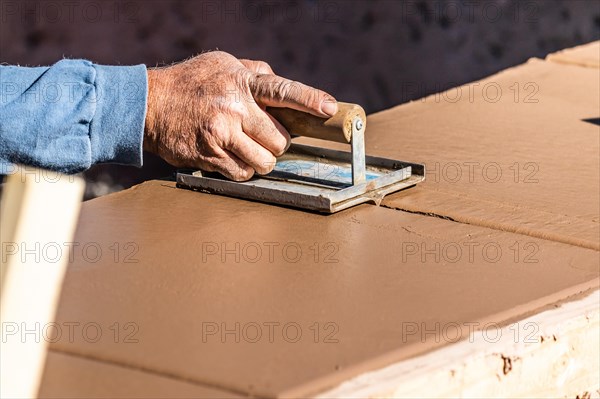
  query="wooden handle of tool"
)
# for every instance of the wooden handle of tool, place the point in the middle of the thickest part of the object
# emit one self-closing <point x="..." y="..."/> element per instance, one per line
<point x="337" y="128"/>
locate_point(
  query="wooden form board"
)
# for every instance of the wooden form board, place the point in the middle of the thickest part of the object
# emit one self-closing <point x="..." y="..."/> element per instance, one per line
<point x="39" y="211"/>
<point x="193" y="278"/>
<point x="552" y="354"/>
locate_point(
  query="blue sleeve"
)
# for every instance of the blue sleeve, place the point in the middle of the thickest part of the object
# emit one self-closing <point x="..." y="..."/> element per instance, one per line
<point x="71" y="115"/>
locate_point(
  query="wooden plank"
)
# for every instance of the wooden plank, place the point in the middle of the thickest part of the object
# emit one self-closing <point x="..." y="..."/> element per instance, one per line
<point x="39" y="213"/>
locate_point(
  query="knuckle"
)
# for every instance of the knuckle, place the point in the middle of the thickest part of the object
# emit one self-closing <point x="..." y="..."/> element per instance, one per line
<point x="205" y="149"/>
<point x="237" y="111"/>
<point x="263" y="67"/>
<point x="312" y="98"/>
<point x="223" y="167"/>
<point x="280" y="147"/>
<point x="244" y="80"/>
<point x="266" y="165"/>
<point x="295" y="92"/>
<point x="277" y="88"/>
<point x="212" y="124"/>
<point x="220" y="134"/>
<point x="217" y="54"/>
<point x="208" y="164"/>
<point x="242" y="174"/>
<point x="281" y="142"/>
<point x="233" y="170"/>
<point x="284" y="90"/>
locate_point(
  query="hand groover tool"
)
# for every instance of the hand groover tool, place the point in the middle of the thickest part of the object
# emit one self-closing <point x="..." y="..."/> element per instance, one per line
<point x="316" y="178"/>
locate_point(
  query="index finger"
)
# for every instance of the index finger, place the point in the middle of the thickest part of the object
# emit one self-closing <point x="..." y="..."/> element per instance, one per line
<point x="275" y="91"/>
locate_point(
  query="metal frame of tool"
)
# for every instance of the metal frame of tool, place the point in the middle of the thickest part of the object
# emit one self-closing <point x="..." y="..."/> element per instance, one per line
<point x="316" y="178"/>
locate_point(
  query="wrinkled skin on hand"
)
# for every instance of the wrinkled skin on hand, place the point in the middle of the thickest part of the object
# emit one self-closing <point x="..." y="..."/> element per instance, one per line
<point x="209" y="113"/>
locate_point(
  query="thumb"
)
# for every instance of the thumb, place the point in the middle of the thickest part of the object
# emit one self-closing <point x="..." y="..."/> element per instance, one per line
<point x="275" y="91"/>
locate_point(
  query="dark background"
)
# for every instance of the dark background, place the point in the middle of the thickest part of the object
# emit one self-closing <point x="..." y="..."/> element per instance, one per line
<point x="375" y="53"/>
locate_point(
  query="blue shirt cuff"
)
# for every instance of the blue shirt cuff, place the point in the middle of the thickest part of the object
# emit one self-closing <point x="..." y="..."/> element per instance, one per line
<point x="117" y="129"/>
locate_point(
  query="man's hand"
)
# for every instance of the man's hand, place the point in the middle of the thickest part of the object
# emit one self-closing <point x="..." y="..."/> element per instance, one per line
<point x="209" y="113"/>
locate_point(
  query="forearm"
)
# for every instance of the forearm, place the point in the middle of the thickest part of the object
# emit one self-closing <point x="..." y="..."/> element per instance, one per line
<point x="72" y="115"/>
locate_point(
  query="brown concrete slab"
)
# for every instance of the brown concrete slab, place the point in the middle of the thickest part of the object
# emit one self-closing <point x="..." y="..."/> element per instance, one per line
<point x="68" y="376"/>
<point x="188" y="265"/>
<point x="517" y="151"/>
<point x="587" y="55"/>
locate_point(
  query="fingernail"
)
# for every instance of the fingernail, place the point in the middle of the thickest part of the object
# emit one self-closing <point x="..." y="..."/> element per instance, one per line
<point x="329" y="106"/>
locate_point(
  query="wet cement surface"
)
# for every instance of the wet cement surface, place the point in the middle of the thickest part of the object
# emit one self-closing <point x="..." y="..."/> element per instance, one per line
<point x="258" y="299"/>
